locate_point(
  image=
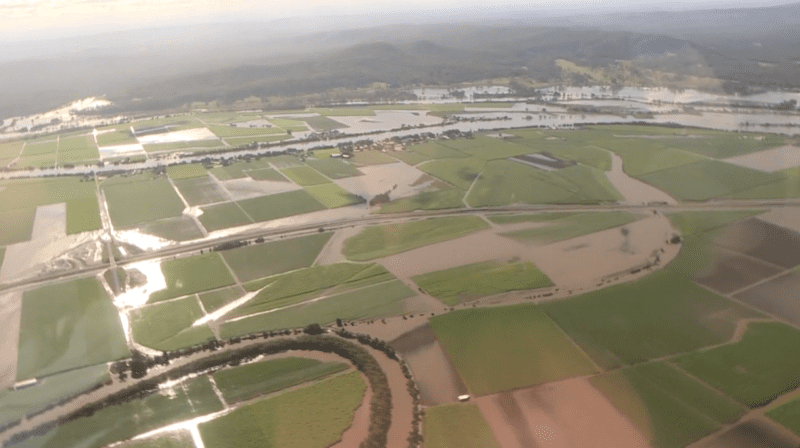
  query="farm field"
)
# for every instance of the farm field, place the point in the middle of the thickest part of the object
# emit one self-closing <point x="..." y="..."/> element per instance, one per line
<point x="10" y="150"/>
<point x="538" y="217"/>
<point x="571" y="226"/>
<point x="465" y="283"/>
<point x="173" y="439"/>
<point x="223" y="216"/>
<point x="185" y="171"/>
<point x="228" y="172"/>
<point x="706" y="180"/>
<point x="266" y="174"/>
<point x="115" y="138"/>
<point x="333" y="196"/>
<point x="765" y="241"/>
<point x="371" y="158"/>
<point x="202" y="190"/>
<point x="755" y="370"/>
<point x="690" y="223"/>
<point x="192" y="144"/>
<point x="436" y="150"/>
<point x="83" y="215"/>
<point x="487" y="148"/>
<point x="16" y="225"/>
<point x="281" y="205"/>
<point x="410" y="157"/>
<point x="82" y="328"/>
<point x="168" y="326"/>
<point x="333" y="168"/>
<point x="322" y="123"/>
<point x="380" y="241"/>
<point x="233" y="131"/>
<point x="192" y="398"/>
<point x="385" y="299"/>
<point x="787" y="415"/>
<point x="263" y="260"/>
<point x="192" y="274"/>
<point x="137" y="202"/>
<point x="485" y="346"/>
<point x="265" y="377"/>
<point x="216" y="299"/>
<point x="668" y="312"/>
<point x="305" y="176"/>
<point x="427" y="200"/>
<point x="776" y="297"/>
<point x="312" y="417"/>
<point x="239" y="141"/>
<point x="40" y="148"/>
<point x="460" y="173"/>
<point x="457" y="426"/>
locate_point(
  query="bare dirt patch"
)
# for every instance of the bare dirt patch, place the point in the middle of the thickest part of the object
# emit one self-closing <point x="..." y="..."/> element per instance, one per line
<point x="10" y="309"/>
<point x="753" y="433"/>
<point x="731" y="272"/>
<point x="438" y="381"/>
<point x="566" y="414"/>
<point x="788" y="217"/>
<point x="779" y="296"/>
<point x="762" y="240"/>
<point x="770" y="160"/>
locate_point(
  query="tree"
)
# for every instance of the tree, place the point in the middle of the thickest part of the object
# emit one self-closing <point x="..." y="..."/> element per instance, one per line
<point x="626" y="243"/>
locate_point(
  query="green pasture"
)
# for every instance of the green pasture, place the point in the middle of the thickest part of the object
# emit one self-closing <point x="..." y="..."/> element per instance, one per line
<point x="457" y="426"/>
<point x="16" y="225"/>
<point x="267" y="259"/>
<point x="281" y="205"/>
<point x="333" y="196"/>
<point x="186" y="171"/>
<point x="460" y="173"/>
<point x="201" y="190"/>
<point x="216" y="299"/>
<point x="233" y="131"/>
<point x="168" y="326"/>
<point x="193" y="274"/>
<point x="707" y="180"/>
<point x="436" y="150"/>
<point x="371" y="158"/>
<point x="223" y="216"/>
<point x="137" y="202"/>
<point x="427" y="200"/>
<point x="240" y="141"/>
<point x="410" y="157"/>
<point x="696" y="222"/>
<point x="269" y="174"/>
<point x="322" y="123"/>
<point x="305" y="176"/>
<point x="571" y="226"/>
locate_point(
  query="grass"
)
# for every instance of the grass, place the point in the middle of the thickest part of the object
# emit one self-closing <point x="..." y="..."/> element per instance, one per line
<point x="192" y="144"/>
<point x="66" y="326"/>
<point x="186" y="171"/>
<point x="311" y="417"/>
<point x="436" y="150"/>
<point x="284" y="161"/>
<point x="168" y="326"/>
<point x="214" y="300"/>
<point x="192" y="274"/>
<point x="486" y="346"/>
<point x="79" y="143"/>
<point x="504" y="182"/>
<point x="457" y="426"/>
<point x="28" y="194"/>
<point x="228" y="172"/>
<point x="83" y="215"/>
<point x="465" y="283"/>
<point x="190" y="399"/>
<point x="116" y="138"/>
<point x="410" y="157"/>
<point x="286" y="123"/>
<point x="385" y="299"/>
<point x="15" y="404"/>
<point x="755" y="370"/>
<point x="16" y="225"/>
<point x="487" y="148"/>
<point x="460" y="173"/>
<point x="262" y="378"/>
<point x="539" y="217"/>
<point x="691" y="223"/>
<point x="223" y="216"/>
<point x="371" y="158"/>
<point x="381" y="241"/>
<point x="172" y="439"/>
<point x="571" y="226"/>
<point x="266" y="208"/>
<point x="45" y="161"/>
<point x="267" y="174"/>
<point x="137" y="202"/>
<point x="305" y="176"/>
<point x="322" y="124"/>
<point x="39" y="149"/>
<point x="263" y="260"/>
<point x="786" y="187"/>
<point x="787" y="415"/>
<point x="427" y="200"/>
<point x="201" y="190"/>
<point x="233" y="131"/>
<point x="718" y="144"/>
<point x="706" y="180"/>
<point x="11" y="150"/>
<point x="239" y="141"/>
<point x="668" y="313"/>
<point x="333" y="168"/>
<point x="333" y="196"/>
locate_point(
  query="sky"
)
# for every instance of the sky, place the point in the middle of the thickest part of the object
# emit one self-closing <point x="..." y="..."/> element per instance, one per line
<point x="43" y="19"/>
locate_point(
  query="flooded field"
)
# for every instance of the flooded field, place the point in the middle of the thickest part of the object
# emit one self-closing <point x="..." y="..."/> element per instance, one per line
<point x="385" y="120"/>
<point x="633" y="190"/>
<point x="730" y="271"/>
<point x="770" y="160"/>
<point x="399" y="179"/>
<point x="753" y="433"/>
<point x="779" y="296"/>
<point x="10" y="309"/>
<point x="787" y="217"/>
<point x="438" y="381"/>
<point x="762" y="240"/>
<point x="248" y="188"/>
<point x="566" y="414"/>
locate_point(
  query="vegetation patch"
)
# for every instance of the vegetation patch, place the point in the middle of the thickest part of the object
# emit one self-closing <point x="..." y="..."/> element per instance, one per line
<point x="137" y="202"/>
<point x="266" y="208"/>
<point x="706" y="180"/>
<point x="214" y="300"/>
<point x="486" y="345"/>
<point x="16" y="226"/>
<point x="539" y="217"/>
<point x="322" y="124"/>
<point x="333" y="168"/>
<point x="667" y="312"/>
<point x="487" y="148"/>
<point x="38" y="149"/>
<point x="228" y="172"/>
<point x="116" y="138"/>
<point x="333" y="196"/>
<point x="410" y="157"/>
<point x="193" y="274"/>
<point x="465" y="283"/>
<point x="202" y="190"/>
<point x="381" y="241"/>
<point x="223" y="216"/>
<point x="267" y="174"/>
<point x="262" y="378"/>
<point x="234" y="131"/>
<point x="67" y="326"/>
<point x="168" y="326"/>
<point x="457" y="426"/>
<point x="83" y="215"/>
<point x="193" y="144"/>
<point x="263" y="260"/>
<point x="240" y="141"/>
<point x="460" y="173"/>
<point x="186" y="171"/>
<point x="691" y="223"/>
<point x="427" y="200"/>
<point x="571" y="226"/>
<point x="305" y="176"/>
<point x="787" y="415"/>
<point x="311" y="417"/>
<point x="436" y="150"/>
<point x="172" y="439"/>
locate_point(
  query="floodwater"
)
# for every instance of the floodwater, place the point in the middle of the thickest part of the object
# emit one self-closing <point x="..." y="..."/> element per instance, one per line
<point x="386" y="120"/>
<point x="248" y="188"/>
<point x="134" y="149"/>
<point x="178" y="136"/>
<point x="633" y="190"/>
<point x="137" y="297"/>
<point x="141" y="240"/>
<point x="730" y="271"/>
<point x="762" y="240"/>
<point x="378" y="179"/>
<point x="779" y="297"/>
<point x="770" y="160"/>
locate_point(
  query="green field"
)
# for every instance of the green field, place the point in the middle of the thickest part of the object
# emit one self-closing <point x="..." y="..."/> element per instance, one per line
<point x="381" y="241"/>
<point x="137" y="202"/>
<point x="371" y="158"/>
<point x="322" y="124"/>
<point x="77" y="149"/>
<point x="333" y="196"/>
<point x="571" y="226"/>
<point x="560" y="145"/>
<point x="81" y="198"/>
<point x="263" y="260"/>
<point x="39" y="149"/>
<point x="427" y="200"/>
<point x="787" y="415"/>
<point x="691" y="223"/>
<point x="487" y="148"/>
<point x="721" y="144"/>
<point x="15" y="404"/>
<point x="436" y="150"/>
<point x="168" y="326"/>
<point x="312" y="417"/>
<point x="192" y="274"/>
<point x="786" y="187"/>
<point x="504" y="182"/>
<point x="11" y="150"/>
<point x="201" y="190"/>
<point x="284" y="161"/>
<point x="466" y="283"/>
<point x="267" y="174"/>
<point x="83" y="215"/>
<point x="43" y="161"/>
<point x="173" y="439"/>
<point x="504" y="348"/>
<point x="67" y="326"/>
<point x="460" y="173"/>
<point x="706" y="180"/>
<point x="755" y="370"/>
<point x="214" y="300"/>
<point x="233" y="131"/>
<point x="410" y="157"/>
<point x="385" y="299"/>
<point x="668" y="313"/>
<point x="239" y="141"/>
<point x="289" y="124"/>
<point x="190" y="399"/>
<point x="538" y="217"/>
<point x="333" y="168"/>
<point x="281" y="205"/>
<point x="16" y="226"/>
<point x="457" y="426"/>
<point x="186" y="171"/>
<point x="228" y="172"/>
<point x="116" y="138"/>
<point x="305" y="176"/>
<point x="223" y="216"/>
<point x="262" y="378"/>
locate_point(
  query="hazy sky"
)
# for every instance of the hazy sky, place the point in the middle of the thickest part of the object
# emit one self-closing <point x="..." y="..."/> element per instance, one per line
<point x="48" y="18"/>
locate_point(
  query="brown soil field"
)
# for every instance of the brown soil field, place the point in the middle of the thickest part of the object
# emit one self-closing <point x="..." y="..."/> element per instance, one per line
<point x="565" y="414"/>
<point x="753" y="433"/>
<point x="437" y="378"/>
<point x="779" y="296"/>
<point x="769" y="160"/>
<point x="10" y="309"/>
<point x="731" y="272"/>
<point x="762" y="240"/>
<point x="247" y="188"/>
<point x="788" y="217"/>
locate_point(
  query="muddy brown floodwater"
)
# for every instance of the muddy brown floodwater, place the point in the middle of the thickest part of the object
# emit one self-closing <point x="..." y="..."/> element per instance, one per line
<point x="753" y="433"/>
<point x="730" y="271"/>
<point x="763" y="240"/>
<point x="437" y="378"/>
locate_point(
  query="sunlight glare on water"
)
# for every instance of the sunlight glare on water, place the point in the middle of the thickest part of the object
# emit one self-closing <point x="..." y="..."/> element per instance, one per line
<point x="137" y="297"/>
